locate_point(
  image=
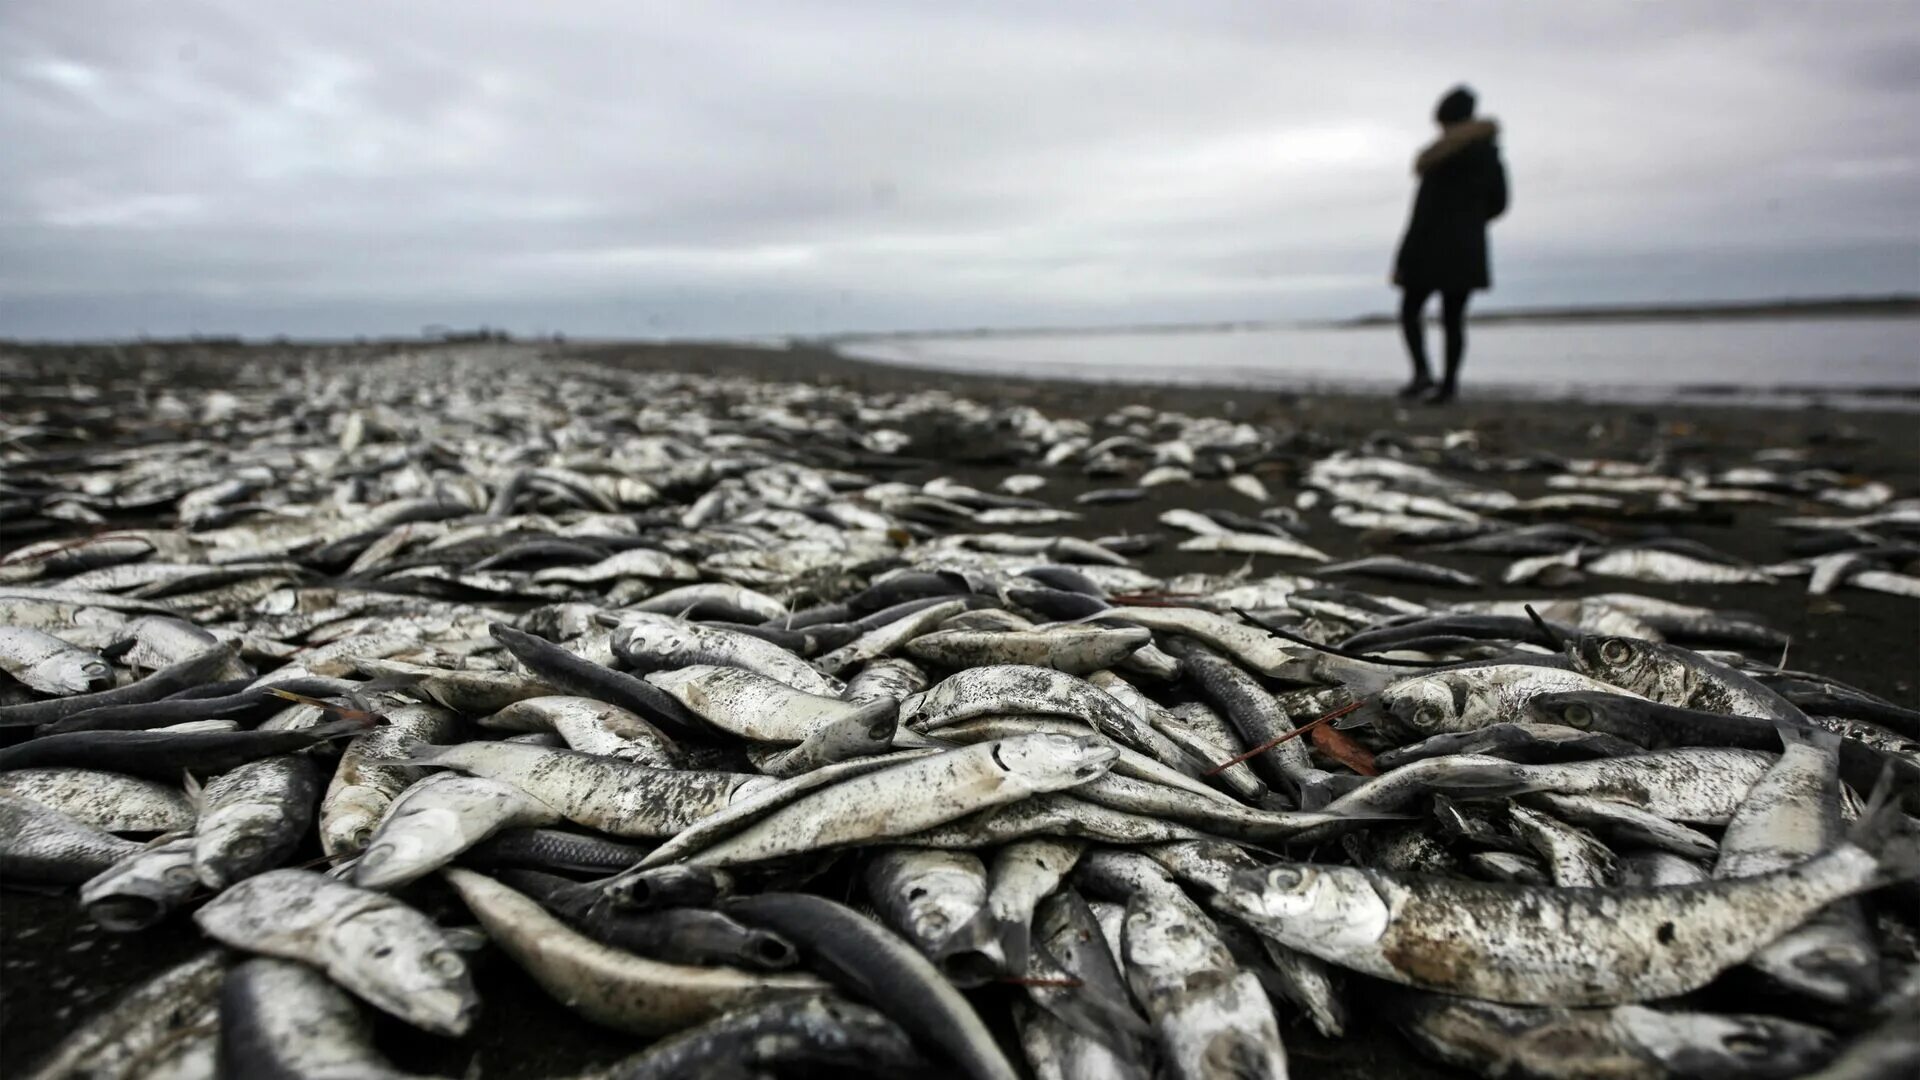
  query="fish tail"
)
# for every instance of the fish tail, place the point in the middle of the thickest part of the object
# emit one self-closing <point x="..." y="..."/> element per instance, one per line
<point x="1883" y="832"/>
<point x="1016" y="941"/>
<point x="881" y="718"/>
<point x="1792" y="735"/>
<point x="343" y="729"/>
<point x="416" y="751"/>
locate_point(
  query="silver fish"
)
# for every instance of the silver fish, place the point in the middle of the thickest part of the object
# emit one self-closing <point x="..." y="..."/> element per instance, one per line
<point x="50" y="665"/>
<point x="381" y="950"/>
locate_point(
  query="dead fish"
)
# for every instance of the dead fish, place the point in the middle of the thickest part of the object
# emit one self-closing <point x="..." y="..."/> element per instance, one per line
<point x="820" y="1032"/>
<point x="871" y="963"/>
<point x="609" y="986"/>
<point x="279" y="1018"/>
<point x="1623" y="1041"/>
<point x="907" y="798"/>
<point x="109" y="801"/>
<point x="50" y="665"/>
<point x="1572" y="947"/>
<point x="1076" y="650"/>
<point x="381" y="950"/>
<point x="42" y="845"/>
<point x="937" y="900"/>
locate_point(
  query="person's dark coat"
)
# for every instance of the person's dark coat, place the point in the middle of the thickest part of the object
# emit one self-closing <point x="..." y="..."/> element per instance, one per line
<point x="1462" y="187"/>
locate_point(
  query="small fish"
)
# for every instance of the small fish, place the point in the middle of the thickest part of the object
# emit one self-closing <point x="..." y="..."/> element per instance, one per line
<point x="610" y="986"/>
<point x="1622" y="1041"/>
<point x="50" y="665"/>
<point x="42" y="845"/>
<point x="279" y="1018"/>
<point x="871" y="963"/>
<point x="381" y="950"/>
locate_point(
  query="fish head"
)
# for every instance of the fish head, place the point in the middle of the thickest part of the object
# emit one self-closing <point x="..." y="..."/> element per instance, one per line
<point x="1828" y="960"/>
<point x="1333" y="907"/>
<point x="1629" y="663"/>
<point x="348" y="819"/>
<point x="1426" y="704"/>
<point x="1048" y="762"/>
<point x="1589" y="710"/>
<point x="685" y="683"/>
<point x="399" y="961"/>
<point x="1705" y="1044"/>
<point x="139" y="892"/>
<point x="239" y="841"/>
<point x="77" y="675"/>
<point x="408" y="845"/>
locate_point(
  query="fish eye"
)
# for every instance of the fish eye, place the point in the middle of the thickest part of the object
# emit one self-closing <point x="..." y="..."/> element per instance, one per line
<point x="1578" y="715"/>
<point x="247" y="847"/>
<point x="1615" y="651"/>
<point x="1286" y="878"/>
<point x="446" y="963"/>
<point x="180" y="875"/>
<point x="1429" y="715"/>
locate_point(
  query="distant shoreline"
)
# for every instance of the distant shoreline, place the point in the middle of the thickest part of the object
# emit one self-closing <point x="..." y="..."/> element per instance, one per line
<point x="1844" y="307"/>
<point x="1897" y="305"/>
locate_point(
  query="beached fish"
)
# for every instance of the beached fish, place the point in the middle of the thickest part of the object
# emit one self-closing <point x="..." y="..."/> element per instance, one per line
<point x="607" y="985"/>
<point x="1538" y="946"/>
<point x="381" y="950"/>
<point x="109" y="801"/>
<point x="38" y="844"/>
<point x="1619" y="1042"/>
<point x="50" y="665"/>
<point x="279" y="1018"/>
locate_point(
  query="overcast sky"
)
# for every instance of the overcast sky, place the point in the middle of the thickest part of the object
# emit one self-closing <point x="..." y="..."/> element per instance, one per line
<point x="665" y="169"/>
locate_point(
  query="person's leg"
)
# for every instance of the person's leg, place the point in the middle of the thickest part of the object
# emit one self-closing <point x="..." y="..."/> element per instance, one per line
<point x="1412" y="302"/>
<point x="1453" y="316"/>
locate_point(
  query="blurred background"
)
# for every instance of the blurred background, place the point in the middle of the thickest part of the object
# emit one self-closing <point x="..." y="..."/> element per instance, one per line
<point x="749" y="169"/>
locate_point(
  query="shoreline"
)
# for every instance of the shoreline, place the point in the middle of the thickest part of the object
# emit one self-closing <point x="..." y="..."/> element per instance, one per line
<point x="64" y="970"/>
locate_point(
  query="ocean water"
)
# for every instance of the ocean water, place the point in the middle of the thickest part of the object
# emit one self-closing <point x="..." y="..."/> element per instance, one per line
<point x="1845" y="362"/>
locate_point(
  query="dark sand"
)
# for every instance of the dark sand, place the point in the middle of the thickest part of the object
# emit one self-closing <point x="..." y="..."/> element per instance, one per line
<point x="56" y="968"/>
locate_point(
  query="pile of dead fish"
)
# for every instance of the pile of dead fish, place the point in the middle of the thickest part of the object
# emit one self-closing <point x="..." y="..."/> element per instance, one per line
<point x="664" y="689"/>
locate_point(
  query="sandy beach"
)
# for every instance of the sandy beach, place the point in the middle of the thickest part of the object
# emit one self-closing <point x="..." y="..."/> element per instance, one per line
<point x="56" y="968"/>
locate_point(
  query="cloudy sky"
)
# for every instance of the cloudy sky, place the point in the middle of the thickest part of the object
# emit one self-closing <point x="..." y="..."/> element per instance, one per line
<point x="330" y="167"/>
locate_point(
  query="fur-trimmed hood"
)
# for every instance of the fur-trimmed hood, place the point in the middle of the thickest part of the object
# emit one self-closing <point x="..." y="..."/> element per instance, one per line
<point x="1456" y="138"/>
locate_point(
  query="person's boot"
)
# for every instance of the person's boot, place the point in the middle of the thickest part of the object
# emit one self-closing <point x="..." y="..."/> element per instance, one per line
<point x="1441" y="394"/>
<point x="1422" y="382"/>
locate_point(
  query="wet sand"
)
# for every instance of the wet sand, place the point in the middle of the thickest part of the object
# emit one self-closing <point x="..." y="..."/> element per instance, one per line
<point x="56" y="968"/>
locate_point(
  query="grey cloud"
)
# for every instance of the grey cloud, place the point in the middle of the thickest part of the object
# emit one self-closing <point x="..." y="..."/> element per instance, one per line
<point x="758" y="168"/>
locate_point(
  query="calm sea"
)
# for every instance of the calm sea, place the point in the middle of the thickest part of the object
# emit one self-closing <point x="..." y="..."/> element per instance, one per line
<point x="1846" y="362"/>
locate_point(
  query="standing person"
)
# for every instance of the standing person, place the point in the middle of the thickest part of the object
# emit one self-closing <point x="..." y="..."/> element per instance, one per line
<point x="1462" y="187"/>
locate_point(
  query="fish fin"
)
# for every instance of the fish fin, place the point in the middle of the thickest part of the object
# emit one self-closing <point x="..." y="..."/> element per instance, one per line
<point x="343" y="729"/>
<point x="467" y="939"/>
<point x="1882" y="832"/>
<point x="1364" y="714"/>
<point x="115" y="650"/>
<point x="1315" y="791"/>
<point x="388" y="683"/>
<point x="1806" y="735"/>
<point x="1016" y="940"/>
<point x="1109" y="1021"/>
<point x="195" y="794"/>
<point x="346" y="712"/>
<point x="875" y="714"/>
